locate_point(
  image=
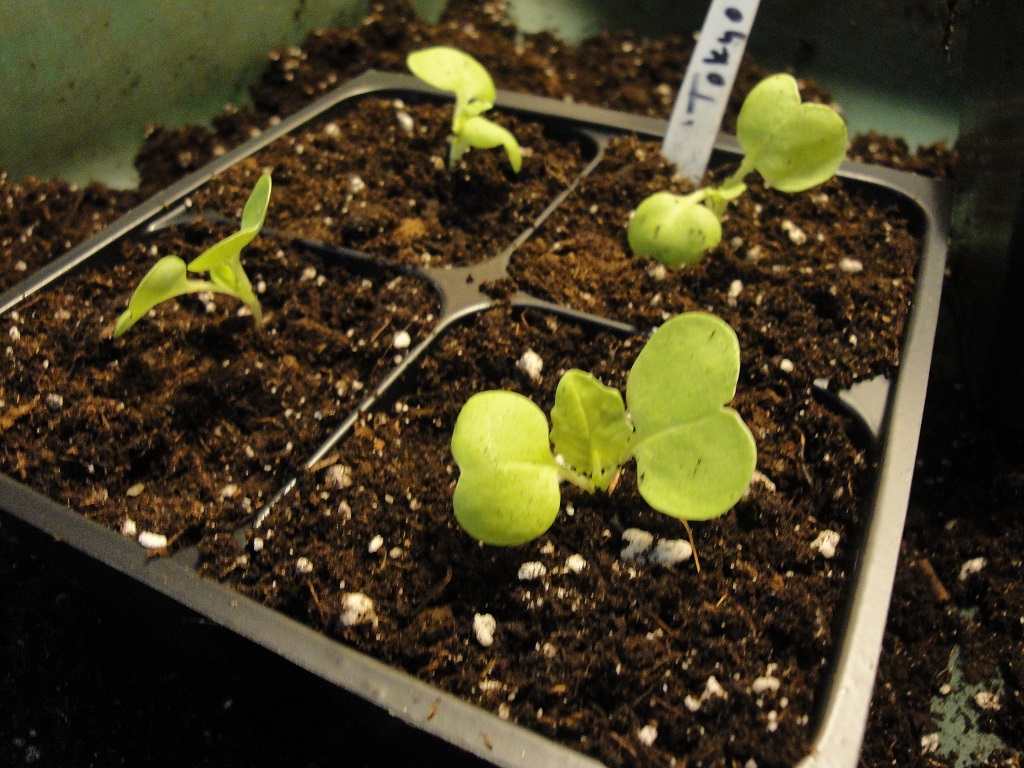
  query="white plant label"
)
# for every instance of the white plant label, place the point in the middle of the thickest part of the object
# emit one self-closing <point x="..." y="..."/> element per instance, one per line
<point x="704" y="93"/>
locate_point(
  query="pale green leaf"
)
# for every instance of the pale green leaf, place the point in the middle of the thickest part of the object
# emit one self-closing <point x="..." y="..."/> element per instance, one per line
<point x="673" y="229"/>
<point x="482" y="133"/>
<point x="453" y="70"/>
<point x="590" y="429"/>
<point x="507" y="491"/>
<point x="694" y="455"/>
<point x="165" y="280"/>
<point x="793" y="146"/>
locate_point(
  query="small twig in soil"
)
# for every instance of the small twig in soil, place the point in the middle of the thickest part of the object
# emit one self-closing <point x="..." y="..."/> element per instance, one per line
<point x="938" y="588"/>
<point x="803" y="460"/>
<point x="379" y="331"/>
<point x="624" y="744"/>
<point x="693" y="545"/>
<point x="667" y="629"/>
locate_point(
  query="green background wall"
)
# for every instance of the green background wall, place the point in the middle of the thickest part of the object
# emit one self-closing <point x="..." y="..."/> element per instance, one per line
<point x="80" y="79"/>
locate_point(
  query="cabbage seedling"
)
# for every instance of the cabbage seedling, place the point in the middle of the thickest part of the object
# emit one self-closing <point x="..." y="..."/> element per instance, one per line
<point x="452" y="70"/>
<point x="793" y="145"/>
<point x="169" y="276"/>
<point x="694" y="455"/>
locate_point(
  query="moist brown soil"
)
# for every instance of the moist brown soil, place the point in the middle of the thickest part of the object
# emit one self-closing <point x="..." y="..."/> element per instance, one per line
<point x="386" y="190"/>
<point x="186" y="424"/>
<point x="588" y="657"/>
<point x="966" y="499"/>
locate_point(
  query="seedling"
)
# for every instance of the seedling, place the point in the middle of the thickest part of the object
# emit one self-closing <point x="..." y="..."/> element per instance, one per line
<point x="793" y="145"/>
<point x="169" y="276"/>
<point x="452" y="70"/>
<point x="694" y="455"/>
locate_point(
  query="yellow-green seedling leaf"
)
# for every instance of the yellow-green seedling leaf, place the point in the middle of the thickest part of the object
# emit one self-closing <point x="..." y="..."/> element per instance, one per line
<point x="168" y="277"/>
<point x="223" y="260"/>
<point x="453" y="70"/>
<point x="590" y="429"/>
<point x="482" y="133"/>
<point x="794" y="146"/>
<point x="673" y="229"/>
<point x="694" y="454"/>
<point x="507" y="492"/>
<point x="165" y="280"/>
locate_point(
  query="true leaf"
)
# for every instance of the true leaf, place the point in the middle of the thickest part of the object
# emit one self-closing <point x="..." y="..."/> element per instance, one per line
<point x="590" y="429"/>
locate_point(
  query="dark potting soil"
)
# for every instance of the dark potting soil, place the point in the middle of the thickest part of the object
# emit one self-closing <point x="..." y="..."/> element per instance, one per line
<point x="724" y="662"/>
<point x="186" y="425"/>
<point x="383" y="186"/>
<point x="966" y="501"/>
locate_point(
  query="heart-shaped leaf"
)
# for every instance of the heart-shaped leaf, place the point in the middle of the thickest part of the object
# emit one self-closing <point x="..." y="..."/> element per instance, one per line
<point x="453" y="70"/>
<point x="673" y="229"/>
<point x="507" y="491"/>
<point x="793" y="146"/>
<point x="590" y="429"/>
<point x="694" y="455"/>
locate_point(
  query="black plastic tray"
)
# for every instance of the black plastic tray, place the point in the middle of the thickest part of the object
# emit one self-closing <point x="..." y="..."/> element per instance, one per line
<point x="891" y="411"/>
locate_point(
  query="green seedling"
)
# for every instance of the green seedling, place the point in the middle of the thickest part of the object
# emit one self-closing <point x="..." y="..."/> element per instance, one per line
<point x="793" y="146"/>
<point x="169" y="276"/>
<point x="694" y="455"/>
<point x="452" y="70"/>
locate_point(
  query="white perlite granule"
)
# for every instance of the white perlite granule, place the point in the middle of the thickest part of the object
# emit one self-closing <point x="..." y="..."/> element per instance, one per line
<point x="671" y="551"/>
<point x="484" y="626"/>
<point x="402" y="340"/>
<point x="648" y="734"/>
<point x="532" y="570"/>
<point x="151" y="540"/>
<point x="338" y="476"/>
<point x="303" y="565"/>
<point x="575" y="563"/>
<point x="636" y="542"/>
<point x="796" y="235"/>
<point x="825" y="543"/>
<point x="972" y="566"/>
<point x="356" y="609"/>
<point x="531" y="364"/>
<point x="851" y="266"/>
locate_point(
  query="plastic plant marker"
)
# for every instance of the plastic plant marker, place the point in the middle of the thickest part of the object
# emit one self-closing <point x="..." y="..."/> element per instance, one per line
<point x="590" y="429"/>
<point x="507" y="491"/>
<point x="704" y="93"/>
<point x="694" y="455"/>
